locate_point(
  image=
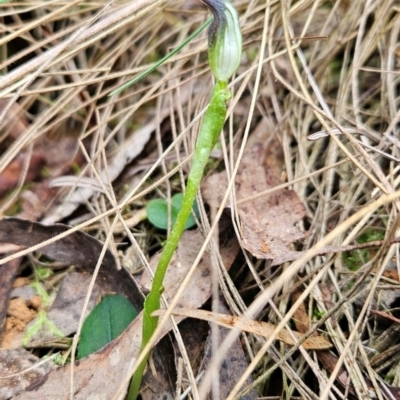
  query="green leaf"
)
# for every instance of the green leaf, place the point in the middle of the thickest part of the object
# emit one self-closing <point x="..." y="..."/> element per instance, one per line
<point x="162" y="61"/>
<point x="106" y="321"/>
<point x="157" y="212"/>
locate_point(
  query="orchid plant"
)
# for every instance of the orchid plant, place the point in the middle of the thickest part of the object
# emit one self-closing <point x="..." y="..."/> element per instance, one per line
<point x="224" y="53"/>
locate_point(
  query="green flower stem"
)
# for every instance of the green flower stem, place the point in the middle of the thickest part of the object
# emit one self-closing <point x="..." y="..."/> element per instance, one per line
<point x="224" y="52"/>
<point x="211" y="127"/>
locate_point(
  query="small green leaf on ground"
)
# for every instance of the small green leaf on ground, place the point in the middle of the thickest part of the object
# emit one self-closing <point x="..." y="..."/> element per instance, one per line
<point x="157" y="212"/>
<point x="106" y="321"/>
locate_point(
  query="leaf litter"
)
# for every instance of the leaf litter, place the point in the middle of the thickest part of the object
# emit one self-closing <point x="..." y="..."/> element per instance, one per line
<point x="339" y="68"/>
<point x="269" y="224"/>
<point x="125" y="154"/>
<point x="115" y="360"/>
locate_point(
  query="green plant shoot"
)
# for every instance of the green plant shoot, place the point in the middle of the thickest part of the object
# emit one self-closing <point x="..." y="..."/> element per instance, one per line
<point x="224" y="53"/>
<point x="162" y="60"/>
<point x="157" y="212"/>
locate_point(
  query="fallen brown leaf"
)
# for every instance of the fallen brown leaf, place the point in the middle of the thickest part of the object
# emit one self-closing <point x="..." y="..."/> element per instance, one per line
<point x="300" y="317"/>
<point x="12" y="363"/>
<point x="269" y="223"/>
<point x="8" y="273"/>
<point x="78" y="248"/>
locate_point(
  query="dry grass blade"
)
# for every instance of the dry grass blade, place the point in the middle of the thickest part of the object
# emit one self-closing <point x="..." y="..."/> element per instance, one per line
<point x="261" y="328"/>
<point x="324" y="74"/>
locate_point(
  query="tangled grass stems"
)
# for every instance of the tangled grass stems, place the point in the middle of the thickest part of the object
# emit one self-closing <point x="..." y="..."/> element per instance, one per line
<point x="355" y="72"/>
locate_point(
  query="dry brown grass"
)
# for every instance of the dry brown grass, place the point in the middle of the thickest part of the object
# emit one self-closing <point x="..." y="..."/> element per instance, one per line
<point x="60" y="60"/>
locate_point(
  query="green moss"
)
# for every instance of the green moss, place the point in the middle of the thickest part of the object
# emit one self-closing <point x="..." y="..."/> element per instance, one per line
<point x="45" y="172"/>
<point x="355" y="259"/>
<point x="43" y="273"/>
<point x="370" y="235"/>
<point x="76" y="169"/>
<point x="317" y="315"/>
<point x="15" y="209"/>
<point x="42" y="323"/>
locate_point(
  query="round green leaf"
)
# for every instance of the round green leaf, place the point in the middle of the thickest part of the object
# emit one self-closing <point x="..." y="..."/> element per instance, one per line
<point x="157" y="212"/>
<point x="105" y="322"/>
